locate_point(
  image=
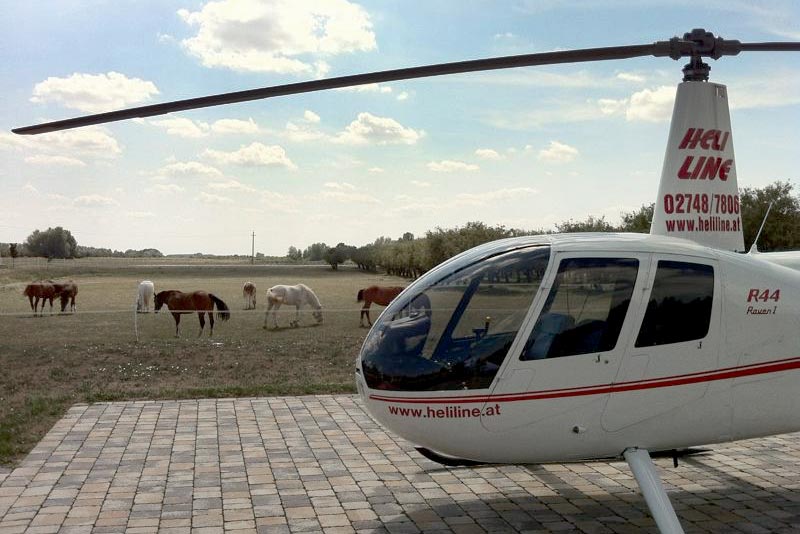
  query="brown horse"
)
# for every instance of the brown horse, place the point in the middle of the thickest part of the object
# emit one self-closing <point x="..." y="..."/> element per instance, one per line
<point x="40" y="291"/>
<point x="249" y="295"/>
<point x="67" y="291"/>
<point x="179" y="302"/>
<point x="377" y="294"/>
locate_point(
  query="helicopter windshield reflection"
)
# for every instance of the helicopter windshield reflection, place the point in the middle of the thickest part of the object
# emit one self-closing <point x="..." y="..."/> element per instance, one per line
<point x="454" y="330"/>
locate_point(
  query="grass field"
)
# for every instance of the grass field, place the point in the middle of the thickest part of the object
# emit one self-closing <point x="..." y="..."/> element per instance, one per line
<point x="49" y="363"/>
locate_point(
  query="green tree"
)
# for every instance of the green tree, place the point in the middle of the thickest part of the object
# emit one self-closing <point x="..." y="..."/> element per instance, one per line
<point x="12" y="251"/>
<point x="337" y="255"/>
<point x="782" y="228"/>
<point x="52" y="243"/>
<point x="638" y="220"/>
<point x="315" y="252"/>
<point x="591" y="224"/>
<point x="294" y="254"/>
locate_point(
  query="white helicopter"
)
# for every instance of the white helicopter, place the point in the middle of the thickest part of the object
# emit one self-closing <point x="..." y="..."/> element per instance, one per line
<point x="581" y="346"/>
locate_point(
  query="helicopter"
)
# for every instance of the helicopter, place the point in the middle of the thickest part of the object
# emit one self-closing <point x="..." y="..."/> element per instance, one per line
<point x="570" y="347"/>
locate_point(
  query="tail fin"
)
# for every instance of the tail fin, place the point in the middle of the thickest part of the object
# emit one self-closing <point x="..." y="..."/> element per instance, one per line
<point x="223" y="313"/>
<point x="698" y="197"/>
<point x="360" y="295"/>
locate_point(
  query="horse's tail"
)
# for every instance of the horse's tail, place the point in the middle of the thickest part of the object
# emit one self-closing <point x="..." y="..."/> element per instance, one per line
<point x="360" y="296"/>
<point x="223" y="312"/>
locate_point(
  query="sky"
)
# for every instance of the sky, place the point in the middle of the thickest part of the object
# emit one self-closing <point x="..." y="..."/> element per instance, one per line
<point x="525" y="148"/>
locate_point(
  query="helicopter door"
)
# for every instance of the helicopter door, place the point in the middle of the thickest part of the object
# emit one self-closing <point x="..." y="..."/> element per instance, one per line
<point x="572" y="342"/>
<point x="677" y="337"/>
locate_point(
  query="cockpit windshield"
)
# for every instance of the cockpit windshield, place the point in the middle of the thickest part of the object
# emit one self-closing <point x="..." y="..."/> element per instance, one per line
<point x="453" y="327"/>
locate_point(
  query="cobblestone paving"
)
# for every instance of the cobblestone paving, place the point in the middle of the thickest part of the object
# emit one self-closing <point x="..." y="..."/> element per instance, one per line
<point x="320" y="464"/>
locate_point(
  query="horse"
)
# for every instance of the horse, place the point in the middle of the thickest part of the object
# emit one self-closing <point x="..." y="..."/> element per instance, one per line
<point x="146" y="293"/>
<point x="293" y="295"/>
<point x="179" y="302"/>
<point x="40" y="291"/>
<point x="67" y="291"/>
<point x="377" y="294"/>
<point x="249" y="295"/>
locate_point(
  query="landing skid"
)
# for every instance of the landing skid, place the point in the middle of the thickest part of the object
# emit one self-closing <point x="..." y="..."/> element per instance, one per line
<point x="646" y="475"/>
<point x="449" y="461"/>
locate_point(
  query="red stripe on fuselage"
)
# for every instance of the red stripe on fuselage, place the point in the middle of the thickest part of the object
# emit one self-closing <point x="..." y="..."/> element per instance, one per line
<point x="652" y="383"/>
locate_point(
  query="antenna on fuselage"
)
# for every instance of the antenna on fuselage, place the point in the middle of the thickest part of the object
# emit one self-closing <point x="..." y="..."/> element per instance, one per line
<point x="754" y="247"/>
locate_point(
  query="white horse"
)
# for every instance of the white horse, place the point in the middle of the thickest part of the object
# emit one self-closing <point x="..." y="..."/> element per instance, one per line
<point x="146" y="292"/>
<point x="294" y="296"/>
<point x="249" y="295"/>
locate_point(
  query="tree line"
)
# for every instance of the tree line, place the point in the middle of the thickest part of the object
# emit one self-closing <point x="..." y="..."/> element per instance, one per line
<point x="410" y="256"/>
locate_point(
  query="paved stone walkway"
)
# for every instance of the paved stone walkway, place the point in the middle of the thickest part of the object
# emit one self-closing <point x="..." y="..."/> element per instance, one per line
<point x="320" y="464"/>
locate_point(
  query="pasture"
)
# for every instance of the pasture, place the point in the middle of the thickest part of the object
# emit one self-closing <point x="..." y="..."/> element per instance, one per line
<point x="50" y="362"/>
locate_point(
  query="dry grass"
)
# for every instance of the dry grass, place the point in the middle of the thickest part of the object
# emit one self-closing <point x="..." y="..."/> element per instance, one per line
<point x="48" y="363"/>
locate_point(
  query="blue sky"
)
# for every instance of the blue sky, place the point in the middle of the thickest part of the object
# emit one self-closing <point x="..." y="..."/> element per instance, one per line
<point x="524" y="148"/>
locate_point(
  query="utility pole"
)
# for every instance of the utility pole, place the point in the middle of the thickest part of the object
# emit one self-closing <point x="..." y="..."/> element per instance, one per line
<point x="253" y="250"/>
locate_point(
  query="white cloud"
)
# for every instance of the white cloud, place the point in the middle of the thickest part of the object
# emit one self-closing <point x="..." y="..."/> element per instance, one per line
<point x="451" y="166"/>
<point x="311" y="117"/>
<point x="232" y="185"/>
<point x="375" y="170"/>
<point x="276" y="35"/>
<point x="91" y="142"/>
<point x="368" y="128"/>
<point x="420" y="183"/>
<point x="253" y="155"/>
<point x="189" y="168"/>
<point x="631" y="77"/>
<point x="62" y="161"/>
<point x="403" y="95"/>
<point x="94" y="201"/>
<point x="94" y="93"/>
<point x="235" y="126"/>
<point x="368" y="88"/>
<point x="208" y="198"/>
<point x="140" y="214"/>
<point x="488" y="153"/>
<point x="166" y="188"/>
<point x="30" y="188"/>
<point x="302" y="132"/>
<point x="558" y="153"/>
<point x="183" y="127"/>
<point x="492" y="197"/>
<point x="343" y="186"/>
<point x="651" y="105"/>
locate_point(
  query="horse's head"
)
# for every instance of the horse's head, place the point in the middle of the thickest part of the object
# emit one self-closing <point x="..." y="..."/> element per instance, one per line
<point x="318" y="315"/>
<point x="160" y="300"/>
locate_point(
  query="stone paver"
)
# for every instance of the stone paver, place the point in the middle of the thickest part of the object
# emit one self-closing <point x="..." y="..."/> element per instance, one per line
<point x="321" y="464"/>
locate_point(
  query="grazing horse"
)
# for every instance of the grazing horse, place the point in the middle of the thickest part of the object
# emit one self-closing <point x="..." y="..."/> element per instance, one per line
<point x="249" y="295"/>
<point x="377" y="294"/>
<point x="40" y="291"/>
<point x="147" y="291"/>
<point x="294" y="296"/>
<point x="67" y="291"/>
<point x="179" y="302"/>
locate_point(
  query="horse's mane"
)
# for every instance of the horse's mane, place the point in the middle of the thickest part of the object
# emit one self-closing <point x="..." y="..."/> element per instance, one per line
<point x="312" y="298"/>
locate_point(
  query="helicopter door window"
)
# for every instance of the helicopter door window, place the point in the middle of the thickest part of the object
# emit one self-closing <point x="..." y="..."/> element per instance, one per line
<point x="585" y="309"/>
<point x="680" y="304"/>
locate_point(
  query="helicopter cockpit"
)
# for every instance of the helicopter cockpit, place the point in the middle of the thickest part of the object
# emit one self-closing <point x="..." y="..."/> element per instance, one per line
<point x="453" y="327"/>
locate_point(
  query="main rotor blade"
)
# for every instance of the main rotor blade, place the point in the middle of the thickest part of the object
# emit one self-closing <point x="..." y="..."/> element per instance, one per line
<point x="507" y="62"/>
<point x="770" y="47"/>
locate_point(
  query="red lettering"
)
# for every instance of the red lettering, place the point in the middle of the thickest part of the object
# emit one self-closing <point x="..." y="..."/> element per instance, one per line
<point x="725" y="169"/>
<point x="753" y="295"/>
<point x="711" y="168"/>
<point x="710" y="135"/>
<point x="724" y="140"/>
<point x="683" y="173"/>
<point x="691" y="138"/>
<point x="698" y="167"/>
<point x="776" y="295"/>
